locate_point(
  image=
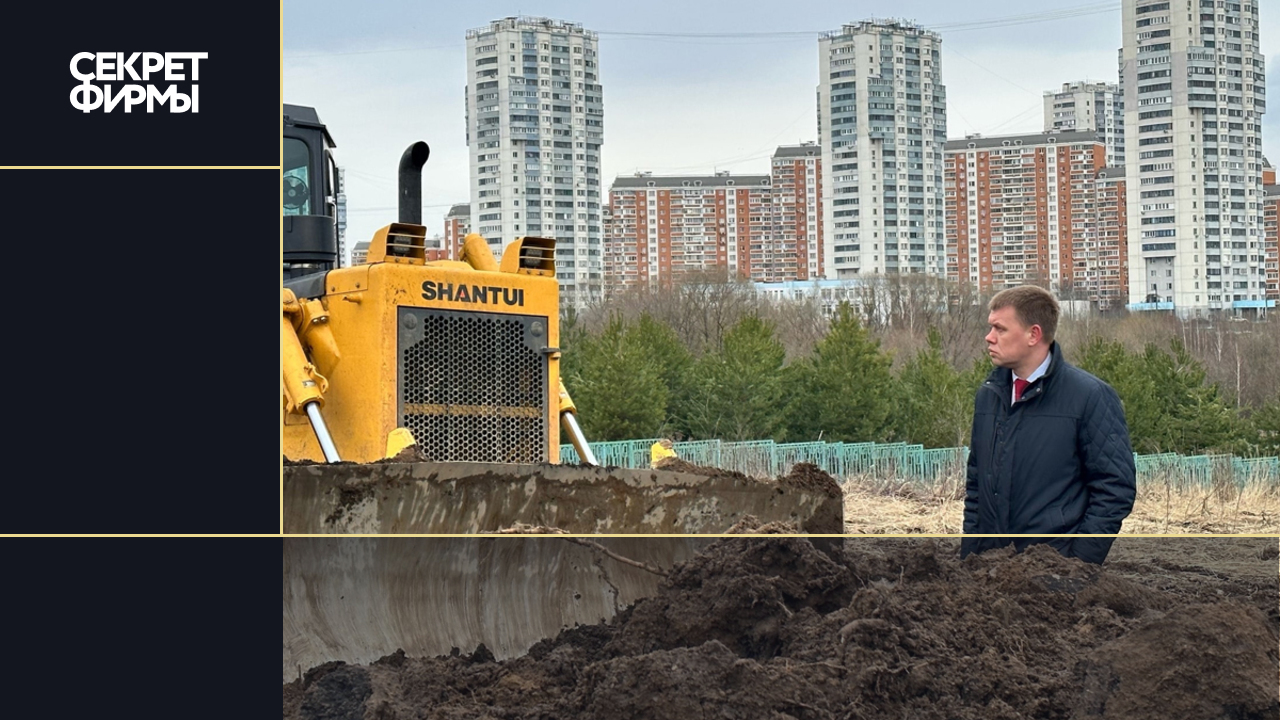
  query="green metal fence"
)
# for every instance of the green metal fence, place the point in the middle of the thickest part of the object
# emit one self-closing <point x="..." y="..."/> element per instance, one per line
<point x="900" y="462"/>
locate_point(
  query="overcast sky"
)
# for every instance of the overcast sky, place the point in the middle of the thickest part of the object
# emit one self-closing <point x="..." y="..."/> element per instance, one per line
<point x="385" y="73"/>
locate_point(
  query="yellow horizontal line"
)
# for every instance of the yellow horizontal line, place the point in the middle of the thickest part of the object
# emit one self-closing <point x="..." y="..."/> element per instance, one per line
<point x="139" y="167"/>
<point x="140" y="535"/>
<point x="1200" y="537"/>
<point x="480" y="535"/>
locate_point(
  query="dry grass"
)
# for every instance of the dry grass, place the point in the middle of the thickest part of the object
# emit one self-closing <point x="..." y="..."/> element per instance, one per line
<point x="1160" y="510"/>
<point x="878" y="506"/>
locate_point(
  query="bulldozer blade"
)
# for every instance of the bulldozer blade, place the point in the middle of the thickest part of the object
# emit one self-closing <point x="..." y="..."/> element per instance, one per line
<point x="358" y="599"/>
<point x="457" y="498"/>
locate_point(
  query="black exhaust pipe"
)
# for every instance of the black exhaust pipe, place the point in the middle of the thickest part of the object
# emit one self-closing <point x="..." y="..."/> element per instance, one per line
<point x="411" y="162"/>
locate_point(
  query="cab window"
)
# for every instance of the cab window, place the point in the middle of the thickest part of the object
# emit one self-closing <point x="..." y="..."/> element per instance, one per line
<point x="297" y="180"/>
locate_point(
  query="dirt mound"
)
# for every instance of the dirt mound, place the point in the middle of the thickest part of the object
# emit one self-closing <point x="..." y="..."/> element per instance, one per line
<point x="739" y="593"/>
<point x="675" y="464"/>
<point x="775" y="628"/>
<point x="808" y="476"/>
<point x="284" y="460"/>
<point x="804" y="476"/>
<point x="1199" y="661"/>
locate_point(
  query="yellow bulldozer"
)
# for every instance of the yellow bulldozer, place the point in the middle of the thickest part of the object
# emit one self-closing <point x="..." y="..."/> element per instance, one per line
<point x="424" y="396"/>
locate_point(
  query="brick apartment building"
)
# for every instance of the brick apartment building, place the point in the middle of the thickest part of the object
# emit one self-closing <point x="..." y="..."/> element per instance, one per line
<point x="457" y="223"/>
<point x="796" y="253"/>
<point x="1036" y="209"/>
<point x="1270" y="232"/>
<point x="664" y="226"/>
<point x="765" y="228"/>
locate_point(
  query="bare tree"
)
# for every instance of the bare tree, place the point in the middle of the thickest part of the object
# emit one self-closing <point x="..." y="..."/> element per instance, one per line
<point x="798" y="323"/>
<point x="700" y="306"/>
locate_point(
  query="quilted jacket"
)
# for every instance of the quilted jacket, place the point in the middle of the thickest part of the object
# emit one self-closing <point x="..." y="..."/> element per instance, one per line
<point x="1058" y="461"/>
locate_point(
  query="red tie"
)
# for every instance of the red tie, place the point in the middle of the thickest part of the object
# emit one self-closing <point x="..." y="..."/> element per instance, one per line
<point x="1019" y="386"/>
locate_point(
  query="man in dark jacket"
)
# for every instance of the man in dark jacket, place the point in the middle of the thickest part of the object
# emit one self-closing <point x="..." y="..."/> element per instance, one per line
<point x="1049" y="453"/>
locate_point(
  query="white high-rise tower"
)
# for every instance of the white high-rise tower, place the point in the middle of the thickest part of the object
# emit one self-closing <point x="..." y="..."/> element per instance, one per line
<point x="882" y="125"/>
<point x="1089" y="107"/>
<point x="535" y="124"/>
<point x="1193" y="77"/>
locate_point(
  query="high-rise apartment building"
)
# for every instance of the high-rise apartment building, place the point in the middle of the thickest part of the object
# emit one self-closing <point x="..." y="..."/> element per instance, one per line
<point x="1001" y="195"/>
<point x="437" y="248"/>
<point x="664" y="226"/>
<point x="795" y="252"/>
<point x="534" y="127"/>
<point x="1103" y="272"/>
<point x="1271" y="239"/>
<point x="360" y="252"/>
<point x="1030" y="209"/>
<point x="1193" y="77"/>
<point x="766" y="228"/>
<point x="457" y="223"/>
<point x="1085" y="106"/>
<point x="340" y="206"/>
<point x="882" y="125"/>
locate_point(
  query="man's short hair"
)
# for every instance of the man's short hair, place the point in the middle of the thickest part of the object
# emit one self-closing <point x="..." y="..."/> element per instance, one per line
<point x="1033" y="305"/>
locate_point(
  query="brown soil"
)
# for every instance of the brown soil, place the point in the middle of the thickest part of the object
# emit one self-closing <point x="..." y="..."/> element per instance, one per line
<point x="803" y="476"/>
<point x="891" y="628"/>
<point x="808" y="476"/>
<point x="347" y="498"/>
<point x="408" y="454"/>
<point x="675" y="464"/>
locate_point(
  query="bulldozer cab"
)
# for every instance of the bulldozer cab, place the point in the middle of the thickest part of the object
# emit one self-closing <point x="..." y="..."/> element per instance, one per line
<point x="309" y="195"/>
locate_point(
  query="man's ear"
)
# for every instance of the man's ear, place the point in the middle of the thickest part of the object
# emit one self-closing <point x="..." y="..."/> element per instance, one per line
<point x="1037" y="335"/>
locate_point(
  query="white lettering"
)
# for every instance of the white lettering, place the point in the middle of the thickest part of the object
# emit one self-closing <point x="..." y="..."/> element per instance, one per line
<point x="151" y="62"/>
<point x="111" y="102"/>
<point x="195" y="59"/>
<point x="169" y="95"/>
<point x="87" y="97"/>
<point x="136" y="95"/>
<point x="127" y="65"/>
<point x="106" y="64"/>
<point x="180" y="101"/>
<point x="75" y="72"/>
<point x="86" y="91"/>
<point x="172" y="67"/>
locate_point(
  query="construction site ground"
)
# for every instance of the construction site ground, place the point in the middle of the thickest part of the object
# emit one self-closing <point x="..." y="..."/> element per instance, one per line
<point x="782" y="628"/>
<point x="875" y="506"/>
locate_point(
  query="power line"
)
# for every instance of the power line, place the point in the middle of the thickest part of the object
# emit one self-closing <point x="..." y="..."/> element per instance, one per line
<point x="1064" y="13"/>
<point x="952" y="51"/>
<point x="752" y="155"/>
<point x="393" y="209"/>
<point x="762" y="38"/>
<point x="420" y="48"/>
<point x="779" y="35"/>
<point x="1029" y="111"/>
<point x="1006" y="21"/>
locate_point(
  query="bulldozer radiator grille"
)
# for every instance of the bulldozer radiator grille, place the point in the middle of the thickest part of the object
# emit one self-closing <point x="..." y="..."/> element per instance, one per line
<point x="473" y="386"/>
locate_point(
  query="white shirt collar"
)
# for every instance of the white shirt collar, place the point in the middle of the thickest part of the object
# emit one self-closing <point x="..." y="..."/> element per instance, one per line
<point x="1035" y="374"/>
